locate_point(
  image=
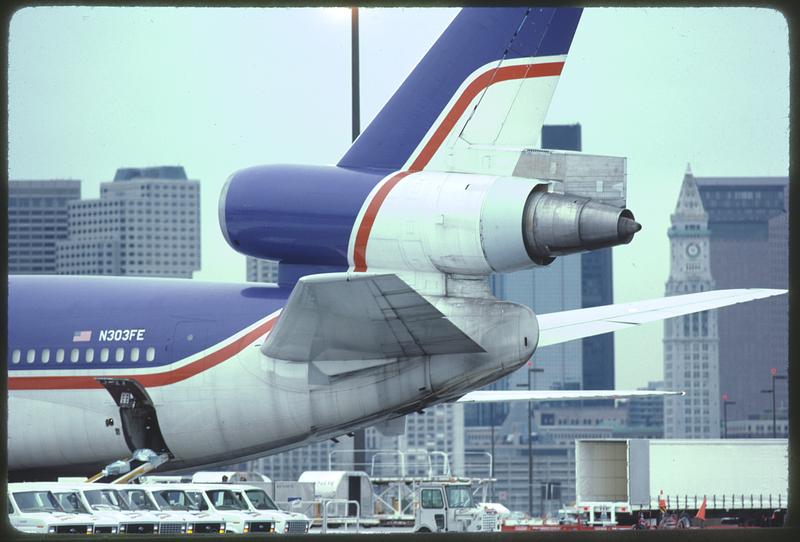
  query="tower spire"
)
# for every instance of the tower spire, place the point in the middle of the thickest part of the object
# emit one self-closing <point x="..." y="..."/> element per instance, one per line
<point x="688" y="168"/>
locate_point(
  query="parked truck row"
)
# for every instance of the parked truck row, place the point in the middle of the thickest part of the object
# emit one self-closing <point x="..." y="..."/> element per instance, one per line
<point x="147" y="508"/>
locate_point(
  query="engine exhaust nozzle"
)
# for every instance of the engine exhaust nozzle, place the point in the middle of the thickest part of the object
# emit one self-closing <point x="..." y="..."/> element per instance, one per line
<point x="560" y="224"/>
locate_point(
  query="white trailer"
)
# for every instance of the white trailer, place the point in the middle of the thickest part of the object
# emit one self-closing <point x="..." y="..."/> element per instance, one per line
<point x="627" y="475"/>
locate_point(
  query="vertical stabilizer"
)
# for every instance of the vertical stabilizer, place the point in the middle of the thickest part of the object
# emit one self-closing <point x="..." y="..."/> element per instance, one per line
<point x="486" y="82"/>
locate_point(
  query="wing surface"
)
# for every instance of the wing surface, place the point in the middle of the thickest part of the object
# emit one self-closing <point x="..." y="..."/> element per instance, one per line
<point x="503" y="396"/>
<point x="559" y="327"/>
<point x="361" y="316"/>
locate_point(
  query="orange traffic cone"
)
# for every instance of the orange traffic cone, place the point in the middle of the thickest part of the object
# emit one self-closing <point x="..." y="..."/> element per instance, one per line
<point x="662" y="504"/>
<point x="701" y="513"/>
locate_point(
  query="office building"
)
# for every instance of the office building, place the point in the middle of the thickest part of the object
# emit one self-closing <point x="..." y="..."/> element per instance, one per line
<point x="748" y="235"/>
<point x="37" y="220"/>
<point x="259" y="270"/>
<point x="758" y="428"/>
<point x="439" y="429"/>
<point x="288" y="466"/>
<point x="146" y="222"/>
<point x="646" y="414"/>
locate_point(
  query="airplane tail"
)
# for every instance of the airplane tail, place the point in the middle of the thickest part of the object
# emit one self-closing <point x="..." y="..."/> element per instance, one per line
<point x="486" y="83"/>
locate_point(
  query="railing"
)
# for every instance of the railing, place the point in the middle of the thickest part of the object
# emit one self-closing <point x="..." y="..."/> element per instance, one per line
<point x="310" y="509"/>
<point x="725" y="501"/>
<point x="413" y="463"/>
<point x="477" y="469"/>
<point x="342" y="519"/>
<point x="321" y="509"/>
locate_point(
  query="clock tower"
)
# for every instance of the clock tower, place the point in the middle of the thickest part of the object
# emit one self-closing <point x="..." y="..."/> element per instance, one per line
<point x="691" y="358"/>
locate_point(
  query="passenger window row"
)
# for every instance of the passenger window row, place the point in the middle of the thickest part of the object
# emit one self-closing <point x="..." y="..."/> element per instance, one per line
<point x="46" y="355"/>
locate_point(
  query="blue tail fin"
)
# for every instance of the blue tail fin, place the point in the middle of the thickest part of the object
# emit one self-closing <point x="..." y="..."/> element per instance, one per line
<point x="487" y="80"/>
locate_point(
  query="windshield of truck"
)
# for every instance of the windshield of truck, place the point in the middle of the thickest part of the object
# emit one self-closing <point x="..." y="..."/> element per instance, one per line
<point x="225" y="499"/>
<point x="177" y="499"/>
<point x="104" y="499"/>
<point x="37" y="501"/>
<point x="138" y="499"/>
<point x="197" y="500"/>
<point x="71" y="502"/>
<point x="260" y="499"/>
<point x="459" y="497"/>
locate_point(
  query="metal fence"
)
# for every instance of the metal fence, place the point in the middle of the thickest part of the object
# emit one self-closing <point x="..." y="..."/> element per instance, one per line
<point x="729" y="501"/>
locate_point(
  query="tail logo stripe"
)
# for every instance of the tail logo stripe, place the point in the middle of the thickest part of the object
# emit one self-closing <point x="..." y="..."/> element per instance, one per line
<point x="496" y="75"/>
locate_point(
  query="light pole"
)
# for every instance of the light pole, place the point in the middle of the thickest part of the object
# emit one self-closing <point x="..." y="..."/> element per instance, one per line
<point x="491" y="459"/>
<point x="775" y="376"/>
<point x="725" y="404"/>
<point x="354" y="72"/>
<point x="359" y="436"/>
<point x="531" y="369"/>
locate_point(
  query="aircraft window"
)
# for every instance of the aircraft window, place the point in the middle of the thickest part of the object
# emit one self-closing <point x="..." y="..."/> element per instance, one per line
<point x="151" y="354"/>
<point x="119" y="354"/>
<point x="103" y="355"/>
<point x="73" y="355"/>
<point x="31" y="357"/>
<point x="15" y="355"/>
<point x="89" y="355"/>
<point x="46" y="355"/>
<point x="60" y="355"/>
<point x="134" y="354"/>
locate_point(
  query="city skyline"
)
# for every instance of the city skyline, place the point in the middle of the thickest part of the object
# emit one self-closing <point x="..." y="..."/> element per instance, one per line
<point x="219" y="105"/>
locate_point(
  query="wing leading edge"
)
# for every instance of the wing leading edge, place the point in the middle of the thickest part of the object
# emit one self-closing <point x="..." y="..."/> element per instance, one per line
<point x="559" y="327"/>
<point x="503" y="396"/>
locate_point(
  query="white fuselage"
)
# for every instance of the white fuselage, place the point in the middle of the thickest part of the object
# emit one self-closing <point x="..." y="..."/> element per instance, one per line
<point x="250" y="404"/>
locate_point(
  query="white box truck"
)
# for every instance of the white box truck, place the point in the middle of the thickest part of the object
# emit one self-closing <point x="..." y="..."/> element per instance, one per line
<point x="745" y="479"/>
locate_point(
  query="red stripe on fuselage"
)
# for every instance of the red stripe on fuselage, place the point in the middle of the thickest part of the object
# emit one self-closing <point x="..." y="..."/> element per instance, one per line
<point x="147" y="380"/>
<point x="364" y="229"/>
<point x="496" y="75"/>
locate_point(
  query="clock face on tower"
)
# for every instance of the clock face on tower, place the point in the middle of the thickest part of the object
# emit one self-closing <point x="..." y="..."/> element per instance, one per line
<point x="692" y="250"/>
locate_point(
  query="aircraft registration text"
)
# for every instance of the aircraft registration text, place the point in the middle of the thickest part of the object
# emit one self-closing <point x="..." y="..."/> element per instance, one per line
<point x="121" y="335"/>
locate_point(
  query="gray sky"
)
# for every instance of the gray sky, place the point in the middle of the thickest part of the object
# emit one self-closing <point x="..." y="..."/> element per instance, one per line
<point x="216" y="90"/>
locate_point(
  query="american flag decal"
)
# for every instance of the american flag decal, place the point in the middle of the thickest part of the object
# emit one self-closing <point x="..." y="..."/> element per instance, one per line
<point x="82" y="336"/>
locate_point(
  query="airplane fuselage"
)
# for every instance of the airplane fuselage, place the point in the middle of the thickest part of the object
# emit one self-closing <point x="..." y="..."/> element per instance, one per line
<point x="196" y="350"/>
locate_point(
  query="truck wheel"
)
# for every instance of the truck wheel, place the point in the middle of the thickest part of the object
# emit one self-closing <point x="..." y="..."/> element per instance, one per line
<point x="422" y="530"/>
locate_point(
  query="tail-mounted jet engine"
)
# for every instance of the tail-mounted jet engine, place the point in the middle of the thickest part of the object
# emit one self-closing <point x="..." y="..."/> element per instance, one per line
<point x="461" y="223"/>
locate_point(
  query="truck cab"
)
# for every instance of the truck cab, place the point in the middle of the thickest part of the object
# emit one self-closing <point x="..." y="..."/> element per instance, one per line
<point x="449" y="507"/>
<point x="173" y="504"/>
<point x="106" y="499"/>
<point x="222" y="501"/>
<point x="36" y="510"/>
<point x="259" y="502"/>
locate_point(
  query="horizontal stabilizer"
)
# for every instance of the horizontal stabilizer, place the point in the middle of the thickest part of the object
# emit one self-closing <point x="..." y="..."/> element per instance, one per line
<point x="559" y="327"/>
<point x="361" y="316"/>
<point x="503" y="396"/>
